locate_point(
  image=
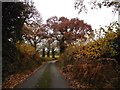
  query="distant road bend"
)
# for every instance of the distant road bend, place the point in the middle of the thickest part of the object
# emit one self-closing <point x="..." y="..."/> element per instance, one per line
<point x="45" y="77"/>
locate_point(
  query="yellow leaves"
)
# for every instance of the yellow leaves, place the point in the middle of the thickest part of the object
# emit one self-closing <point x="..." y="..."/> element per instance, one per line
<point x="18" y="42"/>
<point x="101" y="48"/>
<point x="111" y="35"/>
<point x="37" y="55"/>
<point x="92" y="50"/>
<point x="25" y="48"/>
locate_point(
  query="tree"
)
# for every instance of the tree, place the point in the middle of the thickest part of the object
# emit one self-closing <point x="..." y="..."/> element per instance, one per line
<point x="49" y="41"/>
<point x="33" y="30"/>
<point x="68" y="31"/>
<point x="113" y="36"/>
<point x="54" y="45"/>
<point x="43" y="45"/>
<point x="14" y="15"/>
<point x="33" y="34"/>
<point x="95" y="4"/>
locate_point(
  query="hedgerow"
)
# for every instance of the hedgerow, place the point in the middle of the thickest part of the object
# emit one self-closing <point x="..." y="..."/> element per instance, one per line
<point x="96" y="63"/>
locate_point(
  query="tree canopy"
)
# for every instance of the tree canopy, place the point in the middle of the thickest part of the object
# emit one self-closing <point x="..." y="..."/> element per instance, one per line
<point x="81" y="5"/>
<point x="67" y="31"/>
<point x="14" y="15"/>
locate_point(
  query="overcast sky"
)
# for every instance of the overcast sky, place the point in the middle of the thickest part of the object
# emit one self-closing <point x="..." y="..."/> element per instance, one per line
<point x="65" y="8"/>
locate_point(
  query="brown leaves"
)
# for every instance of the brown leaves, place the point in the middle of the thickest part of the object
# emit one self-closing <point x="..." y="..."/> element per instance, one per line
<point x="71" y="29"/>
<point x="15" y="79"/>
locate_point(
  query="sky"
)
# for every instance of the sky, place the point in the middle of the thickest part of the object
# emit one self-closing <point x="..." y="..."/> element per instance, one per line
<point x="95" y="18"/>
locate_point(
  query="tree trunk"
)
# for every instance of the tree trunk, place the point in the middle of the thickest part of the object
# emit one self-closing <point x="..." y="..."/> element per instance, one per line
<point x="53" y="53"/>
<point x="43" y="52"/>
<point x="48" y="53"/>
<point x="62" y="46"/>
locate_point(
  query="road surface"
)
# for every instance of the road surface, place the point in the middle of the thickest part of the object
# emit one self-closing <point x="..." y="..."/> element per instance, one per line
<point x="46" y="77"/>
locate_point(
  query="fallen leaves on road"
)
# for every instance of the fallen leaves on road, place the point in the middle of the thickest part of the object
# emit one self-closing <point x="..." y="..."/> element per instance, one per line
<point x="15" y="79"/>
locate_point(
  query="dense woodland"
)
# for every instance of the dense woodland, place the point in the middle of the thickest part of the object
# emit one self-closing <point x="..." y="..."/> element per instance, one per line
<point x="92" y="57"/>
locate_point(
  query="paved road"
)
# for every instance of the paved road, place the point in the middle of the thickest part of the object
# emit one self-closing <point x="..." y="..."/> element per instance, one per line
<point x="0" y="72"/>
<point x="49" y="75"/>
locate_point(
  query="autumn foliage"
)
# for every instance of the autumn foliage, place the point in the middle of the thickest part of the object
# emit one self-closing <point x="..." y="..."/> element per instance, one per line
<point x="94" y="64"/>
<point x="67" y="31"/>
<point x="15" y="58"/>
<point x="28" y="55"/>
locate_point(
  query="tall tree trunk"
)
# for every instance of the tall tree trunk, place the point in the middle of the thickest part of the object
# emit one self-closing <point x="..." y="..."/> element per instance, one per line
<point x="62" y="45"/>
<point x="48" y="53"/>
<point x="53" y="53"/>
<point x="43" y="52"/>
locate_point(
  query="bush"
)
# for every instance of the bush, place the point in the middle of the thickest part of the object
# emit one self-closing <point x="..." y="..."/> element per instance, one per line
<point x="69" y="55"/>
<point x="26" y="59"/>
<point x="101" y="48"/>
<point x="95" y="63"/>
<point x="97" y="73"/>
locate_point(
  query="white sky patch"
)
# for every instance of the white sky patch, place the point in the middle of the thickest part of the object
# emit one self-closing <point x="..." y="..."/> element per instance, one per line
<point x="65" y="8"/>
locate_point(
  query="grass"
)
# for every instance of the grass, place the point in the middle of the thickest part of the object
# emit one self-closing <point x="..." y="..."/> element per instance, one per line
<point x="49" y="58"/>
<point x="45" y="80"/>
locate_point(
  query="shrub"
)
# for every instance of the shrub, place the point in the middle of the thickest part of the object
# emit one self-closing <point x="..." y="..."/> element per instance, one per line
<point x="69" y="54"/>
<point x="101" y="48"/>
<point x="97" y="73"/>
